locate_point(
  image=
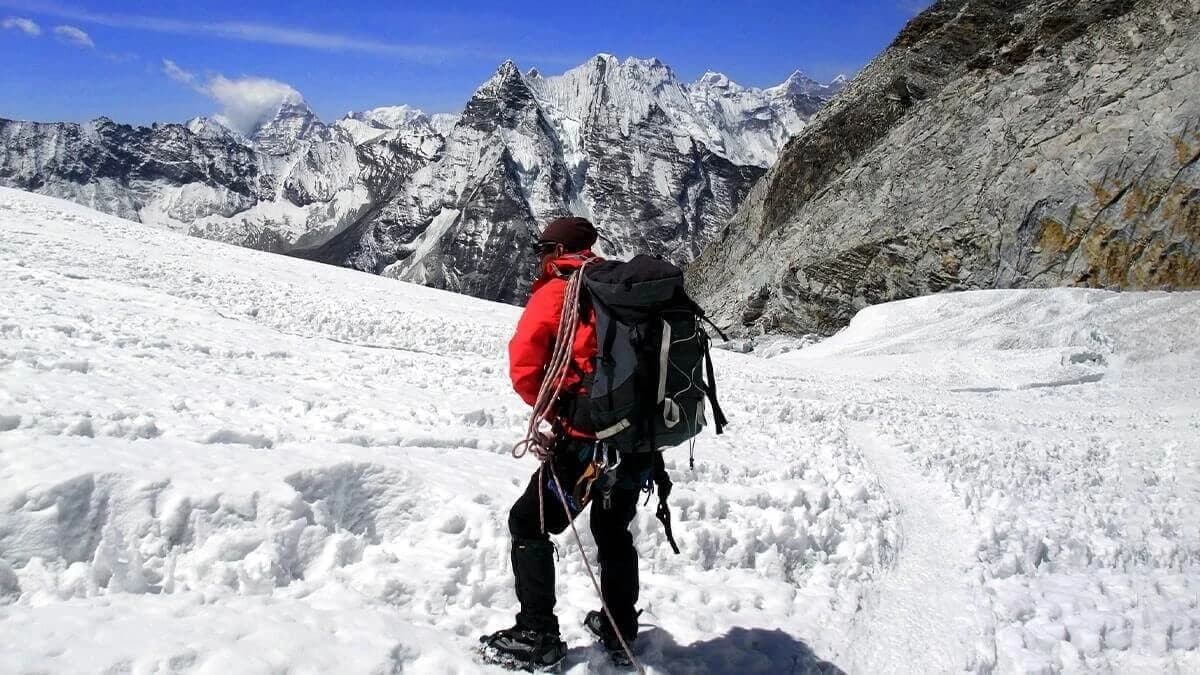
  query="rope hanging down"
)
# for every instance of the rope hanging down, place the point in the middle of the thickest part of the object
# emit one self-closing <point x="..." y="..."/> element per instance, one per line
<point x="596" y="584"/>
<point x="541" y="443"/>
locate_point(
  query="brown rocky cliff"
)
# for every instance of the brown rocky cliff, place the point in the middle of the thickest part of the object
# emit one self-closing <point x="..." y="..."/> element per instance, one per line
<point x="995" y="144"/>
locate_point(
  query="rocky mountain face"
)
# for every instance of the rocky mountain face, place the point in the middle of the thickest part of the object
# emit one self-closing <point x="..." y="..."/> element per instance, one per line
<point x="296" y="180"/>
<point x="448" y="201"/>
<point x="616" y="142"/>
<point x="995" y="144"/>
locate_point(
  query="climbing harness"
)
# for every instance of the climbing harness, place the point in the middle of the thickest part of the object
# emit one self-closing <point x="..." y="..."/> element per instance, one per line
<point x="599" y="476"/>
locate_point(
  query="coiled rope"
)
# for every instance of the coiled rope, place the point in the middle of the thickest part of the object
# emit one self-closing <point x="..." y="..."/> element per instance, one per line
<point x="541" y="444"/>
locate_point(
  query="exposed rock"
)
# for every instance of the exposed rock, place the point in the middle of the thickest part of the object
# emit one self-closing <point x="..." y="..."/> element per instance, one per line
<point x="995" y="144"/>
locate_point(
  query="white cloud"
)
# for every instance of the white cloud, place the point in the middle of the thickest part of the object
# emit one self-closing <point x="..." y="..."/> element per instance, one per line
<point x="243" y="31"/>
<point x="290" y="36"/>
<point x="24" y="25"/>
<point x="246" y="102"/>
<point x="74" y="36"/>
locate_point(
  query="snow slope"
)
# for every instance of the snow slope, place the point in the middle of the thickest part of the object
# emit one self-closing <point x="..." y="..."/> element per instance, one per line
<point x="218" y="460"/>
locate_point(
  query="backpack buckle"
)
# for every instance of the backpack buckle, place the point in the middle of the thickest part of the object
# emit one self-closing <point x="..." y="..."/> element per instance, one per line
<point x="671" y="412"/>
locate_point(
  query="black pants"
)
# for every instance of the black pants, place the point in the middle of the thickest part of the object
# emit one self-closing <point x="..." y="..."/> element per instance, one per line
<point x="533" y="554"/>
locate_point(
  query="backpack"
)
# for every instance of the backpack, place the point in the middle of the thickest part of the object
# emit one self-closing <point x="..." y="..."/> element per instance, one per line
<point x="652" y="373"/>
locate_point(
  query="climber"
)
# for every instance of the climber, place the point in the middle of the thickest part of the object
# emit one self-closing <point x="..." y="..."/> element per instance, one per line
<point x="589" y="474"/>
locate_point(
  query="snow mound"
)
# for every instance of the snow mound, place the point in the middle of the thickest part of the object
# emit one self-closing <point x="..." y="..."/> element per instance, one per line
<point x="1140" y="325"/>
<point x="1019" y="339"/>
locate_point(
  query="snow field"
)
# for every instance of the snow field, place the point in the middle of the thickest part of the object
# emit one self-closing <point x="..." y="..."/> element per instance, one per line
<point x="214" y="460"/>
<point x="217" y="459"/>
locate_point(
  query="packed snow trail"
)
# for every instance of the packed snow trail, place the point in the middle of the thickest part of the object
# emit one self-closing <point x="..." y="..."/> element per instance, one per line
<point x="922" y="618"/>
<point x="216" y="460"/>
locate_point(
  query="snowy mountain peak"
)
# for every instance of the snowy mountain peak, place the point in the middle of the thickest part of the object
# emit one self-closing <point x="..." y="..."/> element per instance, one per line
<point x="507" y="71"/>
<point x="390" y="117"/>
<point x="498" y="101"/>
<point x="421" y="132"/>
<point x="443" y="123"/>
<point x="293" y="122"/>
<point x="103" y="122"/>
<point x="712" y="80"/>
<point x="202" y="124"/>
<point x="505" y="83"/>
<point x="438" y="199"/>
<point x="294" y="109"/>
<point x="799" y="76"/>
<point x="649" y="63"/>
<point x="800" y="83"/>
<point x="212" y="129"/>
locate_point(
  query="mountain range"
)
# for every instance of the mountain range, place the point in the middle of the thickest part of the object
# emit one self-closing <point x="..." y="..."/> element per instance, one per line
<point x="451" y="201"/>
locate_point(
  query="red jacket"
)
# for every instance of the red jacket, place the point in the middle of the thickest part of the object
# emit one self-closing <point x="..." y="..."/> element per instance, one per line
<point x="531" y="347"/>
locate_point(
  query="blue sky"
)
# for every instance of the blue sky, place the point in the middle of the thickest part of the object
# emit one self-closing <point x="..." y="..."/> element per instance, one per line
<point x="77" y="61"/>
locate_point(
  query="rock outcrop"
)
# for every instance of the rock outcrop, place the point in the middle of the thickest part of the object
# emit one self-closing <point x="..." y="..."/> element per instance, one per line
<point x="994" y="144"/>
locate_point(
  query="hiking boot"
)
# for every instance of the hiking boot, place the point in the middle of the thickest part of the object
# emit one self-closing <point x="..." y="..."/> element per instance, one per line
<point x="597" y="624"/>
<point x="522" y="647"/>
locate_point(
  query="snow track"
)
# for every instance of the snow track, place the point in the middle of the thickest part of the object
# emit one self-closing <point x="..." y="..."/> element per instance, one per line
<point x="216" y="460"/>
<point x="920" y="618"/>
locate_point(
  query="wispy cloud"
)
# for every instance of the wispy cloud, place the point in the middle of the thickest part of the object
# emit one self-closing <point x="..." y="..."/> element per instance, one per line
<point x="74" y="36"/>
<point x="26" y="26"/>
<point x="246" y="102"/>
<point x="175" y="72"/>
<point x="243" y="31"/>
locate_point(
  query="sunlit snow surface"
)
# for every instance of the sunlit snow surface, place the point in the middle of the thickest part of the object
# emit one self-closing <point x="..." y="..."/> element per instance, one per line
<point x="219" y="460"/>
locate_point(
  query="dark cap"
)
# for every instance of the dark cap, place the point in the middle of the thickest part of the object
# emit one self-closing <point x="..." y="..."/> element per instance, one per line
<point x="573" y="232"/>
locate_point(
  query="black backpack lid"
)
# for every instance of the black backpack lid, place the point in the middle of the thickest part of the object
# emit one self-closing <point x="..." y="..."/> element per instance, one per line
<point x="644" y="282"/>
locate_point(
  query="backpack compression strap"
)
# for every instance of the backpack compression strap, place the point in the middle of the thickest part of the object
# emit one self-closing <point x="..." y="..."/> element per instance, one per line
<point x="663" y="484"/>
<point x="719" y="420"/>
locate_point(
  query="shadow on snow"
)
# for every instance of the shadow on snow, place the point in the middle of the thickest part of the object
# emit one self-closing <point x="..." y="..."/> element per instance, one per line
<point x="741" y="650"/>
